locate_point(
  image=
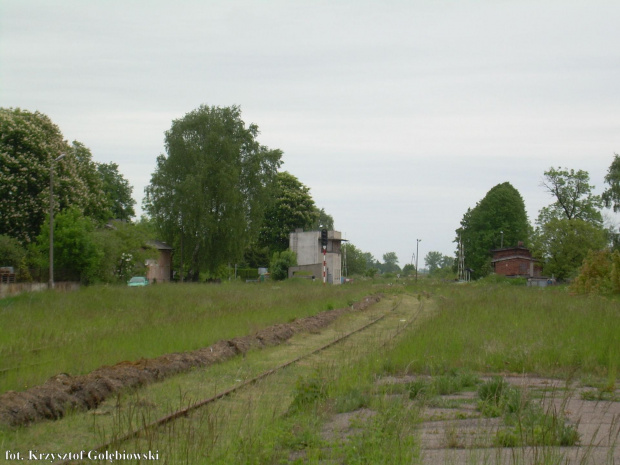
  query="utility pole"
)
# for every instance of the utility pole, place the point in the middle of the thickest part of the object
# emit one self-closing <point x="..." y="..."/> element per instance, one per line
<point x="416" y="258"/>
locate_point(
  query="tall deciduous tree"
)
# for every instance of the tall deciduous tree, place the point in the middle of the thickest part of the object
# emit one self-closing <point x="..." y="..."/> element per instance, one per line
<point x="611" y="196"/>
<point x="500" y="215"/>
<point x="324" y="220"/>
<point x="117" y="192"/>
<point x="76" y="254"/>
<point x="29" y="142"/>
<point x="390" y="263"/>
<point x="564" y="244"/>
<point x="433" y="261"/>
<point x="208" y="195"/>
<point x="292" y="208"/>
<point x="11" y="252"/>
<point x="573" y="197"/>
<point x="571" y="226"/>
<point x="356" y="261"/>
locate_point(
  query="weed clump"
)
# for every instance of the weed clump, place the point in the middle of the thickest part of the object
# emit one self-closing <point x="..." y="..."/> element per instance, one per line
<point x="527" y="423"/>
<point x="451" y="382"/>
<point x="308" y="391"/>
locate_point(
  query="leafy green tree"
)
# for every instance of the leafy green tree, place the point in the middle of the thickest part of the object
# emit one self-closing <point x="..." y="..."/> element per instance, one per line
<point x="571" y="226"/>
<point x="117" y="192"/>
<point x="371" y="262"/>
<point x="208" y="196"/>
<point x="502" y="210"/>
<point x="408" y="269"/>
<point x="256" y="256"/>
<point x="611" y="195"/>
<point x="94" y="204"/>
<point x="433" y="261"/>
<point x="292" y="208"/>
<point x="573" y="197"/>
<point x="564" y="244"/>
<point x="29" y="142"/>
<point x="599" y="273"/>
<point x="324" y="220"/>
<point x="75" y="251"/>
<point x="439" y="265"/>
<point x="447" y="262"/>
<point x="280" y="263"/>
<point x="123" y="249"/>
<point x="11" y="252"/>
<point x="356" y="262"/>
<point x="390" y="263"/>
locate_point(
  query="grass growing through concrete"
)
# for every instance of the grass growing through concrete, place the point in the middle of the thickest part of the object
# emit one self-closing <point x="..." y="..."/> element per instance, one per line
<point x="42" y="334"/>
<point x="528" y="424"/>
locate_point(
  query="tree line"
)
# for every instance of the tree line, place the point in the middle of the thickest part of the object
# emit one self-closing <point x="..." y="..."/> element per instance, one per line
<point x="217" y="196"/>
<point x="86" y="195"/>
<point x="564" y="233"/>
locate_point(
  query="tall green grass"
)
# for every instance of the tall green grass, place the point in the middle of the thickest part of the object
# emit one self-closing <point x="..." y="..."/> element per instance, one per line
<point x="501" y="328"/>
<point x="42" y="334"/>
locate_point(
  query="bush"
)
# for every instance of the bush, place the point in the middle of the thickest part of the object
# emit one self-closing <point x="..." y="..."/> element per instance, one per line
<point x="599" y="273"/>
<point x="11" y="252"/>
<point x="280" y="263"/>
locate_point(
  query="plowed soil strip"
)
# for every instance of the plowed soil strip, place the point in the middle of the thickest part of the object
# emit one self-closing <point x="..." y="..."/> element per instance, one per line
<point x="65" y="392"/>
<point x="185" y="411"/>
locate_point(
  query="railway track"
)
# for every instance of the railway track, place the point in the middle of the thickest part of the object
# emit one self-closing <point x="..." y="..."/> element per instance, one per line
<point x="184" y="412"/>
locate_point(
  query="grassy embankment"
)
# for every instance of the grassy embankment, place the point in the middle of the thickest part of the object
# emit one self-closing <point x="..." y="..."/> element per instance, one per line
<point x="42" y="334"/>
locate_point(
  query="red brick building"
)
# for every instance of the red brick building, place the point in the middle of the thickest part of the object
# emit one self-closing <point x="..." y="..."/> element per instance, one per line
<point x="159" y="270"/>
<point x="516" y="261"/>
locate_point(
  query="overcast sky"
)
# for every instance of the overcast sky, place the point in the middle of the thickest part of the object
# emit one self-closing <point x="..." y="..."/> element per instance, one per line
<point x="399" y="115"/>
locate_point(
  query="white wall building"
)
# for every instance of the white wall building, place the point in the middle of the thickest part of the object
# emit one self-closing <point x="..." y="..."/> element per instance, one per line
<point x="307" y="246"/>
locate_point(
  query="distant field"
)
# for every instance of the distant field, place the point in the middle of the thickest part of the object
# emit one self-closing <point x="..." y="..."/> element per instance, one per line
<point x="45" y="333"/>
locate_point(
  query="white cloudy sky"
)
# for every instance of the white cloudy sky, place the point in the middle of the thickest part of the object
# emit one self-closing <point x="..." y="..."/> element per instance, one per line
<point x="399" y="115"/>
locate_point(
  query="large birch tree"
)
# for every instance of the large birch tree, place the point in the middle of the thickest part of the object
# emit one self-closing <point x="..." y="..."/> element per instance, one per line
<point x="208" y="195"/>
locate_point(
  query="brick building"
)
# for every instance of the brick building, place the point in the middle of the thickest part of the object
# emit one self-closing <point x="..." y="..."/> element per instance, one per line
<point x="516" y="262"/>
<point x="158" y="270"/>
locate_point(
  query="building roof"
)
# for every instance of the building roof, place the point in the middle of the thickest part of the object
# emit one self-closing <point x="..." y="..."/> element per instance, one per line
<point x="514" y="257"/>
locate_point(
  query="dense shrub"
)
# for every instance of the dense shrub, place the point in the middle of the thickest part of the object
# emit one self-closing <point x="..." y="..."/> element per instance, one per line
<point x="280" y="263"/>
<point x="599" y="273"/>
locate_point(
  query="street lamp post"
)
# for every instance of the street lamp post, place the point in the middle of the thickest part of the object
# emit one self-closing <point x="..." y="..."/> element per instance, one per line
<point x="50" y="283"/>
<point x="416" y="258"/>
<point x="502" y="243"/>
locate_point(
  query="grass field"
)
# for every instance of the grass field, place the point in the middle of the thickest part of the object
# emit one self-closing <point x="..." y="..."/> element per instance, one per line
<point x="455" y="334"/>
<point x="503" y="328"/>
<point x="45" y="333"/>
